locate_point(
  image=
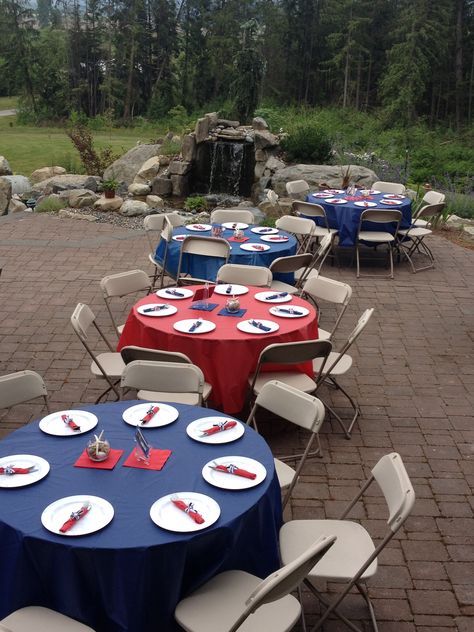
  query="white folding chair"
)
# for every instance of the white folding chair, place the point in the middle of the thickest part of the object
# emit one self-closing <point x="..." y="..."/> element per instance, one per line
<point x="22" y="386"/>
<point x="164" y="381"/>
<point x="430" y="197"/>
<point x="315" y="212"/>
<point x="301" y="409"/>
<point x="320" y="288"/>
<point x="412" y="240"/>
<point x="108" y="365"/>
<point x="221" y="215"/>
<point x="299" y="227"/>
<point x="298" y="189"/>
<point x="238" y="601"/>
<point x="160" y="269"/>
<point x="339" y="363"/>
<point x="204" y="248"/>
<point x="120" y="285"/>
<point x="319" y="257"/>
<point x="389" y="187"/>
<point x="375" y="238"/>
<point x="353" y="558"/>
<point x="290" y="265"/>
<point x="244" y="275"/>
<point x="40" y="619"/>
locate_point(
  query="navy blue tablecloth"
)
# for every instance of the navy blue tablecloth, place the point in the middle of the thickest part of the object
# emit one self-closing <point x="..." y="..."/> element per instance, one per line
<point x="129" y="576"/>
<point x="346" y="217"/>
<point x="206" y="268"/>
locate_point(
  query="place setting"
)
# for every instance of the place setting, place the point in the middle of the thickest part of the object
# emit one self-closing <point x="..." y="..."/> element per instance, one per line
<point x="77" y="515"/>
<point x="230" y="289"/>
<point x="150" y="415"/>
<point x="179" y="237"/>
<point x="20" y="470"/>
<point x="394" y="196"/>
<point x="215" y="430"/>
<point x="234" y="472"/>
<point x="264" y="230"/>
<point x="335" y="200"/>
<point x="156" y="310"/>
<point x="194" y="326"/>
<point x="273" y="297"/>
<point x="255" y="247"/>
<point x="175" y="293"/>
<point x="277" y="239"/>
<point x="66" y="423"/>
<point x="365" y="204"/>
<point x="260" y="326"/>
<point x="235" y="225"/>
<point x="198" y="228"/>
<point x="289" y="312"/>
<point x="391" y="202"/>
<point x="185" y="512"/>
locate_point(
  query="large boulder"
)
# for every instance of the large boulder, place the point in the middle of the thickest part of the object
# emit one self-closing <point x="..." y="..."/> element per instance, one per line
<point x="148" y="170"/>
<point x="162" y="186"/>
<point x="20" y="184"/>
<point x="126" y="168"/>
<point x="139" y="189"/>
<point x="5" y="167"/>
<point x="80" y="198"/>
<point x="314" y="175"/>
<point x="16" y="206"/>
<point x="108" y="204"/>
<point x="5" y="195"/>
<point x="131" y="208"/>
<point x="67" y="181"/>
<point x="154" y="201"/>
<point x="46" y="172"/>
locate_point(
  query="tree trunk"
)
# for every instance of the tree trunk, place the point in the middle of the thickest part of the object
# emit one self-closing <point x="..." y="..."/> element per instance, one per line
<point x="458" y="63"/>
<point x="127" y="108"/>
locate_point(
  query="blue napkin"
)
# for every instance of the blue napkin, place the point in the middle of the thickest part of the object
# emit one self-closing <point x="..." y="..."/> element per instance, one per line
<point x="259" y="325"/>
<point x="203" y="307"/>
<point x="224" y="312"/>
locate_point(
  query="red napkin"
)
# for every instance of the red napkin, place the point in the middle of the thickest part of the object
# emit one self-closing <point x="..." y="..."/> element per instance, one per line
<point x="257" y="247"/>
<point x="232" y="469"/>
<point x="75" y="517"/>
<point x="277" y="238"/>
<point x="109" y="463"/>
<point x="15" y="470"/>
<point x="219" y="427"/>
<point x="69" y="422"/>
<point x="150" y="414"/>
<point x="157" y="460"/>
<point x="241" y="239"/>
<point x="356" y="198"/>
<point x="192" y="513"/>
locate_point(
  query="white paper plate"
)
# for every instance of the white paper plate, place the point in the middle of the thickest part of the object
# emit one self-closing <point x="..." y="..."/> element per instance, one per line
<point x="277" y="311"/>
<point x="322" y="194"/>
<point x="167" y="311"/>
<point x="334" y="191"/>
<point x="394" y="196"/>
<point x="232" y="481"/>
<point x="184" y="325"/>
<point x="179" y="237"/>
<point x="196" y="428"/>
<point x="255" y="247"/>
<point x="198" y="228"/>
<point x="163" y="293"/>
<point x="166" y="415"/>
<point x="244" y="325"/>
<point x="167" y="516"/>
<point x="365" y="204"/>
<point x="264" y="297"/>
<point x="373" y="191"/>
<point x="236" y="290"/>
<point x="53" y="424"/>
<point x="23" y="460"/>
<point x="56" y="514"/>
<point x="336" y="201"/>
<point x="391" y="202"/>
<point x="264" y="230"/>
<point x="275" y="239"/>
<point x="235" y="225"/>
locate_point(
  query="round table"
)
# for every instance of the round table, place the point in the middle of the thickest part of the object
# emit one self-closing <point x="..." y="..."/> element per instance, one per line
<point x="129" y="576"/>
<point x="208" y="270"/>
<point x="227" y="356"/>
<point x="346" y="217"/>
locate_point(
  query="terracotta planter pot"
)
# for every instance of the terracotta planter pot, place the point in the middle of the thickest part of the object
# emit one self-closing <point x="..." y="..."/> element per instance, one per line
<point x="109" y="194"/>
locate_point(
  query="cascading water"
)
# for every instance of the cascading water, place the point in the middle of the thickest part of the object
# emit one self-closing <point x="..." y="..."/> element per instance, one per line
<point x="224" y="167"/>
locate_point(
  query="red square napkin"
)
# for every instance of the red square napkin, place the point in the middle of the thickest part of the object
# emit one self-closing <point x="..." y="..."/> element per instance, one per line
<point x="108" y="464"/>
<point x="241" y="240"/>
<point x="157" y="460"/>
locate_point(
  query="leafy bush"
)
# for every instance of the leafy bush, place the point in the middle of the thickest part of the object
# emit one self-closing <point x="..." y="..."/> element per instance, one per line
<point x="307" y="143"/>
<point x="95" y="161"/>
<point x="196" y="204"/>
<point x="169" y="148"/>
<point x="461" y="205"/>
<point x="49" y="205"/>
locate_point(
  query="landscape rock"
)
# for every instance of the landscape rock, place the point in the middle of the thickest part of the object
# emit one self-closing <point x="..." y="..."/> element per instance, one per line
<point x="139" y="189"/>
<point x="179" y="167"/>
<point x="65" y="214"/>
<point x="188" y="148"/>
<point x="16" y="205"/>
<point x="46" y="172"/>
<point x="201" y="131"/>
<point x="213" y="118"/>
<point x="108" y="204"/>
<point x="259" y="123"/>
<point x="79" y="198"/>
<point x="162" y="186"/>
<point x="283" y="207"/>
<point x="67" y="181"/>
<point x="5" y="195"/>
<point x="314" y="175"/>
<point x="264" y="139"/>
<point x="5" y="169"/>
<point x="148" y="170"/>
<point x="127" y="166"/>
<point x="164" y="160"/>
<point x="176" y="140"/>
<point x="227" y="123"/>
<point x="131" y="208"/>
<point x="180" y="185"/>
<point x="20" y="184"/>
<point x="273" y="164"/>
<point x="154" y="201"/>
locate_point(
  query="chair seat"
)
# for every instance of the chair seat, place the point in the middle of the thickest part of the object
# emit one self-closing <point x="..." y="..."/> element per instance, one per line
<point x="161" y="396"/>
<point x="320" y="231"/>
<point x="418" y="231"/>
<point x="323" y="334"/>
<point x="311" y="273"/>
<point x="375" y="236"/>
<point x="284" y="472"/>
<point x="280" y="286"/>
<point x="218" y="604"/>
<point x="112" y="364"/>
<point x="42" y="620"/>
<point x="420" y="222"/>
<point x="352" y="547"/>
<point x="297" y="380"/>
<point x="120" y="328"/>
<point x="341" y="367"/>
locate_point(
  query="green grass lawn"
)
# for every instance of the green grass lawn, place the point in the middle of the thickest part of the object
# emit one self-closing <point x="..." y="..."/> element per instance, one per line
<point x="8" y="103"/>
<point x="28" y="148"/>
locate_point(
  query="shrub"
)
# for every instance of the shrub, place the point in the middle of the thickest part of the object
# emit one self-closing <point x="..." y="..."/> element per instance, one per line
<point x="196" y="204"/>
<point x="49" y="205"/>
<point x="95" y="161"/>
<point x="307" y="143"/>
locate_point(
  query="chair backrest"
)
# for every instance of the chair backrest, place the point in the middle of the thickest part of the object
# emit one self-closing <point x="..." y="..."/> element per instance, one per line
<point x="121" y="284"/>
<point x="302" y="228"/>
<point x="297" y="188"/>
<point x="286" y="579"/>
<point x="389" y="187"/>
<point x="308" y="209"/>
<point x="220" y="215"/>
<point x="431" y="211"/>
<point x="379" y="216"/>
<point x="22" y="386"/>
<point x="153" y="225"/>
<point x="209" y="247"/>
<point x="244" y="275"/>
<point x="433" y="197"/>
<point x="169" y="377"/>
<point x="322" y="288"/>
<point x="291" y="263"/>
<point x="393" y="480"/>
<point x="355" y="333"/>
<point x="81" y="320"/>
<point x="132" y="353"/>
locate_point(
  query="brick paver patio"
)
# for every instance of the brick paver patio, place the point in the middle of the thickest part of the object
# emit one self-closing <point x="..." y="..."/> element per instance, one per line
<point x="413" y="376"/>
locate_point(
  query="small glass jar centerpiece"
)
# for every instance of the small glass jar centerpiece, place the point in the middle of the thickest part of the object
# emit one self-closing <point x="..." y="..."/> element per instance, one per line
<point x="238" y="234"/>
<point x="232" y="305"/>
<point x="98" y="448"/>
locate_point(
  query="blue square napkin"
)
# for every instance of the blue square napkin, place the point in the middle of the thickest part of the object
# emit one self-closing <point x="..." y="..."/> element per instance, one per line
<point x="204" y="308"/>
<point x="224" y="312"/>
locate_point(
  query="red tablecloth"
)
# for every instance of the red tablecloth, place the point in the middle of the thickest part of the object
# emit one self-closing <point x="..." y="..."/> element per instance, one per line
<point x="226" y="355"/>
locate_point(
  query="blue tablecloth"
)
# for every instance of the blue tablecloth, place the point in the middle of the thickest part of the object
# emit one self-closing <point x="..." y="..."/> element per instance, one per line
<point x="346" y="217"/>
<point x="129" y="576"/>
<point x="203" y="267"/>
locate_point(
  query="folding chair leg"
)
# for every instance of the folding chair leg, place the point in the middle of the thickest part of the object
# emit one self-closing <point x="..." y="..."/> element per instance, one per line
<point x="329" y="608"/>
<point x="112" y="387"/>
<point x="363" y="591"/>
<point x="346" y="429"/>
<point x="300" y="599"/>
